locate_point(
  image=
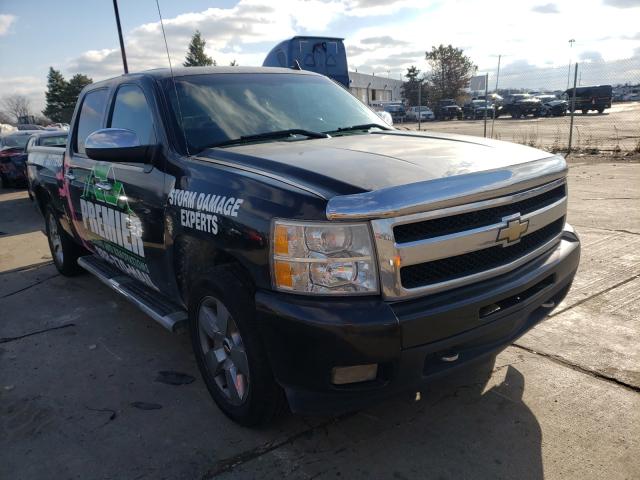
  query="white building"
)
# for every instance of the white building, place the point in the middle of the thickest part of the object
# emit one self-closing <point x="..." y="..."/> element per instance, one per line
<point x="374" y="88"/>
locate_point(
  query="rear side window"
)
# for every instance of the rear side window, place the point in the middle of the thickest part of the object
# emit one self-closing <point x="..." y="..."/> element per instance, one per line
<point x="131" y="111"/>
<point x="91" y="113"/>
<point x="58" y="141"/>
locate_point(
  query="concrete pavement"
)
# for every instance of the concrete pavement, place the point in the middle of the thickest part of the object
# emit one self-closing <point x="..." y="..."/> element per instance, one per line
<point x="81" y="396"/>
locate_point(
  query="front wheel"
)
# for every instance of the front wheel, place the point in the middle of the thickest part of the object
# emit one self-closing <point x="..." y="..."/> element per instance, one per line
<point x="64" y="251"/>
<point x="228" y="348"/>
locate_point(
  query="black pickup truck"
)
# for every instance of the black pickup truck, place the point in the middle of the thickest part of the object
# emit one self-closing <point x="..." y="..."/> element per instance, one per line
<point x="317" y="256"/>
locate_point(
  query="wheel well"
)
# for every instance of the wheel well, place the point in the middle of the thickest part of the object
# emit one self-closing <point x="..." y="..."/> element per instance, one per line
<point x="195" y="258"/>
<point x="42" y="198"/>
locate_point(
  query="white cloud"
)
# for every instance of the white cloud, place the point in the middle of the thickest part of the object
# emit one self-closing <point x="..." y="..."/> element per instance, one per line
<point x="390" y="43"/>
<point x="5" y="23"/>
<point x="546" y="8"/>
<point x="31" y="87"/>
<point x="469" y="25"/>
<point x="623" y="3"/>
<point x="227" y="31"/>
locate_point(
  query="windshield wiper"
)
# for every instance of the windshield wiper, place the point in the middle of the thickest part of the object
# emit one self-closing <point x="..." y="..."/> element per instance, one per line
<point x="270" y="135"/>
<point x="364" y="126"/>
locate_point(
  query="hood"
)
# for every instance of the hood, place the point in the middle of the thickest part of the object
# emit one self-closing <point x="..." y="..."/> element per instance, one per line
<point x="360" y="163"/>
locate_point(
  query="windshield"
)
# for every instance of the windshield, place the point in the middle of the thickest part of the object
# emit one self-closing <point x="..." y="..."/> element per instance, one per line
<point x="221" y="107"/>
<point x="15" y="141"/>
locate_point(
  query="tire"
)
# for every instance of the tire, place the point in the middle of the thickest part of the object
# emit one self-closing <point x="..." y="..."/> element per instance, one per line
<point x="584" y="111"/>
<point x="228" y="348"/>
<point x="600" y="110"/>
<point x="64" y="251"/>
<point x="3" y="182"/>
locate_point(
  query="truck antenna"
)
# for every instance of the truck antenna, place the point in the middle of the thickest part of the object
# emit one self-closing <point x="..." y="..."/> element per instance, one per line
<point x="173" y="81"/>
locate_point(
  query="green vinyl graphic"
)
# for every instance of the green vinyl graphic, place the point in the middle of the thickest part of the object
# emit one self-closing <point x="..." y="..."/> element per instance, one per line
<point x="106" y="214"/>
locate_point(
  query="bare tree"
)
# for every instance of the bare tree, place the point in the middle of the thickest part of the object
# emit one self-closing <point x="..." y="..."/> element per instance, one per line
<point x="16" y="105"/>
<point x="5" y="118"/>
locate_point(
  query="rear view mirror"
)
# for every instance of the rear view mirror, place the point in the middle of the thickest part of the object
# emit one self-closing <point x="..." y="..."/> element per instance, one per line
<point x="116" y="145"/>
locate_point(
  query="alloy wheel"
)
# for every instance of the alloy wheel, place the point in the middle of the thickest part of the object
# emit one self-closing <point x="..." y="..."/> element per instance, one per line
<point x="223" y="350"/>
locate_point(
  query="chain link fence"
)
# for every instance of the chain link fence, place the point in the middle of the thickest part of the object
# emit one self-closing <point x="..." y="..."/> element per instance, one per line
<point x="534" y="107"/>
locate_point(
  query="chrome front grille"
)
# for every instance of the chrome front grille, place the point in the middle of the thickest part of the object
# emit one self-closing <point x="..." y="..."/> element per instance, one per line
<point x="450" y="247"/>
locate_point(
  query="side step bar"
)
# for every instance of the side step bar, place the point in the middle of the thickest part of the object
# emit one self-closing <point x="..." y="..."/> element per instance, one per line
<point x="166" y="313"/>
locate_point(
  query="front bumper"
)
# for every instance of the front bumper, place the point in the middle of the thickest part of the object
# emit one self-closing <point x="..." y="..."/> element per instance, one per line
<point x="307" y="337"/>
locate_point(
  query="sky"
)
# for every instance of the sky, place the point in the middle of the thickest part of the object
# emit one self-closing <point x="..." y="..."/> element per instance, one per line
<point x="382" y="36"/>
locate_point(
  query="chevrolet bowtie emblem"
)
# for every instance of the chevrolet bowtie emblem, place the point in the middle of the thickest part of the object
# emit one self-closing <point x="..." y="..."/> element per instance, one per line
<point x="513" y="231"/>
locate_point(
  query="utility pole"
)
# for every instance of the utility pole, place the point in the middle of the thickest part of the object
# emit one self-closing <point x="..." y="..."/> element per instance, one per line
<point x="495" y="109"/>
<point x="124" y="55"/>
<point x="573" y="108"/>
<point x="486" y="94"/>
<point x="419" y="104"/>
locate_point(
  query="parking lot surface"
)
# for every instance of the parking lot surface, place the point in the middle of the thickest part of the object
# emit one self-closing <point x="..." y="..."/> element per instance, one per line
<point x="82" y="393"/>
<point x="617" y="127"/>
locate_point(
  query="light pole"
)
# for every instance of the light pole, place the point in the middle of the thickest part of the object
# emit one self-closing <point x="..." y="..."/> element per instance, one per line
<point x="124" y="55"/>
<point x="571" y="42"/>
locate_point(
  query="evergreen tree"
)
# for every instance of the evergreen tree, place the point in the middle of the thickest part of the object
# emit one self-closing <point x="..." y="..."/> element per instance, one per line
<point x="55" y="95"/>
<point x="71" y="93"/>
<point x="195" y="55"/>
<point x="410" y="88"/>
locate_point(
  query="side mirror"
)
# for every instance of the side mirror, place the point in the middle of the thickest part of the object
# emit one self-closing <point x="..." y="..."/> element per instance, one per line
<point x="116" y="145"/>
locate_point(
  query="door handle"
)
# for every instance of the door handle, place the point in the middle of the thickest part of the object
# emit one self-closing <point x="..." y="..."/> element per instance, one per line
<point x="69" y="176"/>
<point x="103" y="186"/>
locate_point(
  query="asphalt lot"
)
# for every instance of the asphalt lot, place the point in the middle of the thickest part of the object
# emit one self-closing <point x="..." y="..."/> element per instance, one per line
<point x="562" y="403"/>
<point x="618" y="126"/>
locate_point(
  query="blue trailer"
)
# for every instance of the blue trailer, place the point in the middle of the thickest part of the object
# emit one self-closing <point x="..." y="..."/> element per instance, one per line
<point x="324" y="55"/>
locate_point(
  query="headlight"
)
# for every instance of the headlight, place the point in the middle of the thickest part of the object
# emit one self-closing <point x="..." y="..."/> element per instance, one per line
<point x="323" y="258"/>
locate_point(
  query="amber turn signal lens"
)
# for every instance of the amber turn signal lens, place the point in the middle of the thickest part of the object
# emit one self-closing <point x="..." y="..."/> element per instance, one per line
<point x="281" y="240"/>
<point x="283" y="274"/>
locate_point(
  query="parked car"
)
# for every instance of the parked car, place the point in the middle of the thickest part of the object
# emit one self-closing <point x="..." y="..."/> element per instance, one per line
<point x="396" y="110"/>
<point x="56" y="138"/>
<point x="520" y="105"/>
<point x="386" y="116"/>
<point x="29" y="127"/>
<point x="552" y="106"/>
<point x="13" y="158"/>
<point x="58" y="126"/>
<point x="300" y="249"/>
<point x="596" y="97"/>
<point x="424" y="113"/>
<point x="475" y="109"/>
<point x="448" y="109"/>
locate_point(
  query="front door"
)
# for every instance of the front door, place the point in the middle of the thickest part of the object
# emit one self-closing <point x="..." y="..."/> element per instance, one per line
<point x="119" y="206"/>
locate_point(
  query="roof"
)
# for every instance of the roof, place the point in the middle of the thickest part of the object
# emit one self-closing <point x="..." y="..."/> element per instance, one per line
<point x="19" y="133"/>
<point x="50" y="133"/>
<point x="303" y="37"/>
<point x="161" y="73"/>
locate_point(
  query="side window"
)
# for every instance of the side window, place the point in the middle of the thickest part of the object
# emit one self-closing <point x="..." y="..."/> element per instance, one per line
<point x="91" y="113"/>
<point x="57" y="141"/>
<point x="132" y="112"/>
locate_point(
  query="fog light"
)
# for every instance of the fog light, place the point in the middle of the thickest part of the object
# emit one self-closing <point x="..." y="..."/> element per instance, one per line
<point x="354" y="374"/>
